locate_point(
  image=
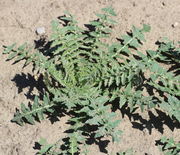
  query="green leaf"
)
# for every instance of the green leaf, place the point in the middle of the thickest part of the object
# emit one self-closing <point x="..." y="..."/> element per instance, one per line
<point x="95" y="23"/>
<point x="109" y="10"/>
<point x="9" y="49"/>
<point x="117" y="81"/>
<point x="126" y="39"/>
<point x="22" y="47"/>
<point x="146" y="28"/>
<point x="45" y="148"/>
<point x="73" y="145"/>
<point x="134" y="43"/>
<point x="29" y="113"/>
<point x="110" y="81"/>
<point x="138" y="34"/>
<point x="122" y="101"/>
<point x="19" y="58"/>
<point x="28" y="61"/>
<point x="23" y="108"/>
<point x="154" y="67"/>
<point x="29" y="119"/>
<point x="12" y="55"/>
<point x="42" y="141"/>
<point x="97" y="135"/>
<point x="123" y="78"/>
<point x="116" y="135"/>
<point x="101" y="16"/>
<point x="94" y="121"/>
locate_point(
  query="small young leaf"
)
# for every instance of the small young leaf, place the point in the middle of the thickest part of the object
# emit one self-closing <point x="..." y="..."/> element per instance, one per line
<point x="109" y="10"/>
<point x="146" y="28"/>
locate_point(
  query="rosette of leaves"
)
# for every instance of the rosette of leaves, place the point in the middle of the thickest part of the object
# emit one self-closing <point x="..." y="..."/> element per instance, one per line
<point x="75" y="71"/>
<point x="86" y="76"/>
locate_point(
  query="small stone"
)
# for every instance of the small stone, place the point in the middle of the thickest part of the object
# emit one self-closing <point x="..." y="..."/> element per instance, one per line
<point x="163" y="3"/>
<point x="40" y="30"/>
<point x="175" y="24"/>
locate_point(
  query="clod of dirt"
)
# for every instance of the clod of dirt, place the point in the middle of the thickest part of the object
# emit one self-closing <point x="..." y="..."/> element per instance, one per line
<point x="40" y="30"/>
<point x="175" y="24"/>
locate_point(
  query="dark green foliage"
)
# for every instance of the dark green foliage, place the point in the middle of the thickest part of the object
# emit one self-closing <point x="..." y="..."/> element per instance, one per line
<point x="164" y="81"/>
<point x="169" y="51"/>
<point x="172" y="106"/>
<point x="87" y="77"/>
<point x="32" y="112"/>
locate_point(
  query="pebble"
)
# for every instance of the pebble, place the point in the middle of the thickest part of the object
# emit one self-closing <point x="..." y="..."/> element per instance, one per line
<point x="163" y="3"/>
<point x="40" y="30"/>
<point x="175" y="24"/>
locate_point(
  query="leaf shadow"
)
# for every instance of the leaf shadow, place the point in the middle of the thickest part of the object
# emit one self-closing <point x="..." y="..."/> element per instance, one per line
<point x="36" y="146"/>
<point x="43" y="46"/>
<point x="155" y="121"/>
<point x="171" y="58"/>
<point x="163" y="146"/>
<point x="23" y="81"/>
<point x="89" y="132"/>
<point x="102" y="144"/>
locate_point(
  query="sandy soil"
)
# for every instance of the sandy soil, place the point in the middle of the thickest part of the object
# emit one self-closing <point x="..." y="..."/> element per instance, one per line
<point x="18" y="22"/>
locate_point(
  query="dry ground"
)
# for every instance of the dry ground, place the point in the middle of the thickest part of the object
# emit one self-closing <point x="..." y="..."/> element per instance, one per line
<point x="18" y="22"/>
